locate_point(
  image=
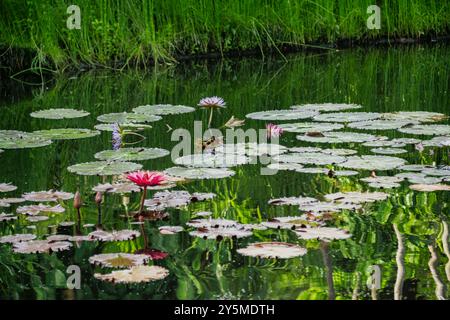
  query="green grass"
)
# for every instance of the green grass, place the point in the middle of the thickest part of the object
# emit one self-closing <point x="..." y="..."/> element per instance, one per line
<point x="138" y="31"/>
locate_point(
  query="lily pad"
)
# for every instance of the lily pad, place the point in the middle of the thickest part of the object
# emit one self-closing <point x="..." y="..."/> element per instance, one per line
<point x="373" y="162"/>
<point x="199" y="173"/>
<point x="276" y="250"/>
<point x="388" y="150"/>
<point x="7" y="217"/>
<point x="415" y="167"/>
<point x="441" y="141"/>
<point x="122" y="235"/>
<point x="303" y="127"/>
<point x="208" y="160"/>
<point x="175" y="199"/>
<point x="347" y="116"/>
<point x="11" y="139"/>
<point x="356" y="197"/>
<point x="169" y="230"/>
<point x="58" y="237"/>
<point x="320" y="207"/>
<point x="57" y="114"/>
<point x="7" y="187"/>
<point x="131" y="154"/>
<point x="66" y="134"/>
<point x="285" y="166"/>
<point x="119" y="260"/>
<point x="339" y="152"/>
<point x="436" y="172"/>
<point x="125" y="117"/>
<point x="34" y="210"/>
<point x="212" y="223"/>
<point x="220" y="233"/>
<point x="117" y="188"/>
<point x="40" y="246"/>
<point x="163" y="109"/>
<point x="310" y="158"/>
<point x="17" y="238"/>
<point x="281" y="115"/>
<point x="415" y="116"/>
<point x="103" y="168"/>
<point x="47" y="196"/>
<point x="384" y="143"/>
<point x="125" y="126"/>
<point x="380" y="124"/>
<point x="326" y="107"/>
<point x="338" y="137"/>
<point x="292" y="201"/>
<point x="251" y="149"/>
<point x="428" y="129"/>
<point x="324" y="233"/>
<point x="37" y="218"/>
<point x="136" y="274"/>
<point x="430" y="187"/>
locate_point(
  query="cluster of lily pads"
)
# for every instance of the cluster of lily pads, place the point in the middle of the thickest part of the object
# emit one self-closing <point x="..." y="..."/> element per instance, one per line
<point x="324" y="124"/>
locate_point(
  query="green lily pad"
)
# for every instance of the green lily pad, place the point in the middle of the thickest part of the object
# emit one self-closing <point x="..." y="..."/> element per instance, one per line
<point x="7" y="187"/>
<point x="388" y="150"/>
<point x="347" y="116"/>
<point x="325" y="233"/>
<point x="442" y="141"/>
<point x="58" y="114"/>
<point x="131" y="154"/>
<point x="281" y="115"/>
<point x="273" y="250"/>
<point x="303" y="127"/>
<point x="66" y="133"/>
<point x="125" y="117"/>
<point x="251" y="149"/>
<point x="163" y="109"/>
<point x="415" y="116"/>
<point x="326" y="107"/>
<point x="355" y="197"/>
<point x="310" y="158"/>
<point x="103" y="168"/>
<point x="11" y="139"/>
<point x="199" y="173"/>
<point x="379" y="124"/>
<point x="218" y="160"/>
<point x="338" y="137"/>
<point x="126" y="126"/>
<point x="428" y="129"/>
<point x="373" y="162"/>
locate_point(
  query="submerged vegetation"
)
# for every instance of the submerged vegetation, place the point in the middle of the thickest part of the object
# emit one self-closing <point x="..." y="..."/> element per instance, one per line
<point x="117" y="33"/>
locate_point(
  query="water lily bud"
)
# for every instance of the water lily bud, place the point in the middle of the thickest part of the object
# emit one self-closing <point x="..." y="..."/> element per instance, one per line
<point x="77" y="201"/>
<point x="98" y="198"/>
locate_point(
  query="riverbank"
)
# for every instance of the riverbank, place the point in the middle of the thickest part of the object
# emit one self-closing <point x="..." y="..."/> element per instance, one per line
<point x="142" y="33"/>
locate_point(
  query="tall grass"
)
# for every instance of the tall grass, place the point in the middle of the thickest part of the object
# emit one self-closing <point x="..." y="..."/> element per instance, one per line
<point x="120" y="32"/>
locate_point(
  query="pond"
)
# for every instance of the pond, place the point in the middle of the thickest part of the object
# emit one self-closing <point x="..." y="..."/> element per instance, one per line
<point x="392" y="243"/>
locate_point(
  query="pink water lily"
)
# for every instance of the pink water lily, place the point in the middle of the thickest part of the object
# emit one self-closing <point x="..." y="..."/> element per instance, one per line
<point x="212" y="102"/>
<point x="146" y="179"/>
<point x="273" y="131"/>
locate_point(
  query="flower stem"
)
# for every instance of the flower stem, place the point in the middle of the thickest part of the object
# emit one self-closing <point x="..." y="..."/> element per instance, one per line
<point x="144" y="194"/>
<point x="210" y="117"/>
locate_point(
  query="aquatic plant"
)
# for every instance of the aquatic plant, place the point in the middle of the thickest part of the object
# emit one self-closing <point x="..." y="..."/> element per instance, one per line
<point x="145" y="179"/>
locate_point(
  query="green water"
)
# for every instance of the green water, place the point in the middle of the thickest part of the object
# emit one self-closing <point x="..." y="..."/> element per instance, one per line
<point x="382" y="80"/>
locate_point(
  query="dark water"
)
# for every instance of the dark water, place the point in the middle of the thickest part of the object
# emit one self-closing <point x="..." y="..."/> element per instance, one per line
<point x="382" y="80"/>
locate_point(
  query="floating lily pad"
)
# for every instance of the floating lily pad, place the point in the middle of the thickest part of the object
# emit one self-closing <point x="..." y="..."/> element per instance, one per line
<point x="324" y="233"/>
<point x="436" y="172"/>
<point x="169" y="230"/>
<point x="344" y="173"/>
<point x="313" y="170"/>
<point x="207" y="160"/>
<point x="310" y="158"/>
<point x="285" y="166"/>
<point x="339" y="152"/>
<point x="383" y="181"/>
<point x="57" y="114"/>
<point x="117" y="188"/>
<point x="319" y="207"/>
<point x="276" y="250"/>
<point x="305" y="149"/>
<point x="125" y="126"/>
<point x="103" y="168"/>
<point x="7" y="217"/>
<point x="384" y="143"/>
<point x="122" y="235"/>
<point x="58" y="237"/>
<point x="338" y="137"/>
<point x="40" y="246"/>
<point x="7" y="187"/>
<point x="119" y="260"/>
<point x="430" y="187"/>
<point x="125" y="117"/>
<point x="373" y="162"/>
<point x="347" y="116"/>
<point x="131" y="154"/>
<point x="442" y="141"/>
<point x="251" y="149"/>
<point x="11" y="139"/>
<point x="34" y="210"/>
<point x="406" y="141"/>
<point x="303" y="127"/>
<point x="326" y="107"/>
<point x="419" y="178"/>
<point x="163" y="109"/>
<point x="380" y="124"/>
<point x="47" y="196"/>
<point x="415" y="167"/>
<point x="292" y="201"/>
<point x="356" y="197"/>
<point x="415" y="116"/>
<point x="17" y="238"/>
<point x="388" y="150"/>
<point x="289" y="223"/>
<point x="212" y="223"/>
<point x="219" y="233"/>
<point x="199" y="173"/>
<point x="428" y="129"/>
<point x="136" y="274"/>
<point x="175" y="199"/>
<point x="281" y="115"/>
<point x="37" y="218"/>
<point x="66" y="134"/>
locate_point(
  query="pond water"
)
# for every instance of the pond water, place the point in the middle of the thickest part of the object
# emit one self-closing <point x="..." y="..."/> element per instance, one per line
<point x="400" y="243"/>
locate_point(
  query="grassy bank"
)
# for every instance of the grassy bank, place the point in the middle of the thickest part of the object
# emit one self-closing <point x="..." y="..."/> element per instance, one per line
<point x="138" y="31"/>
